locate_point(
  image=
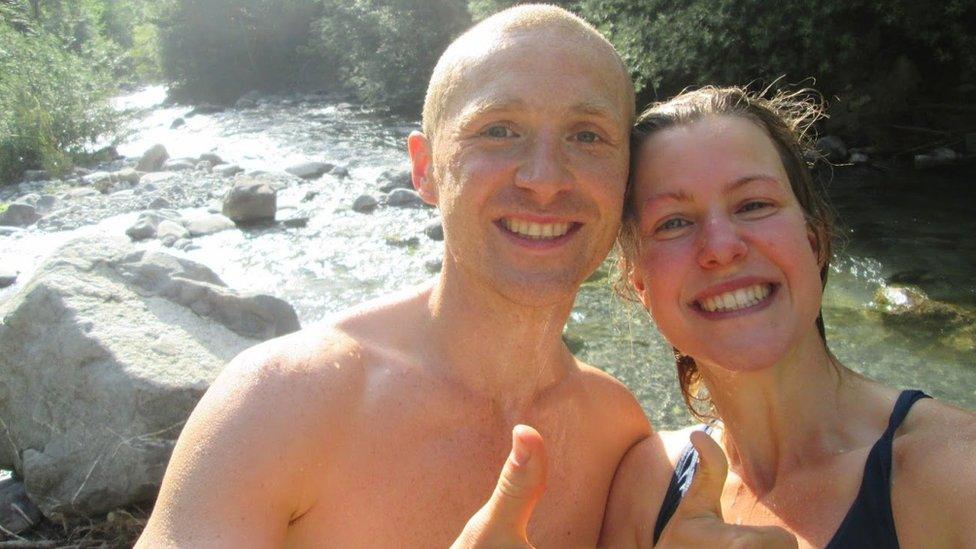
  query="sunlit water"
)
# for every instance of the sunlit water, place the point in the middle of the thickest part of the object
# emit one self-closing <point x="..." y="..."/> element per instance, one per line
<point x="920" y="235"/>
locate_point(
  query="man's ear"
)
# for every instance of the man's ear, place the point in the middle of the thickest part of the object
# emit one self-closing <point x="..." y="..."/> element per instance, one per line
<point x="421" y="162"/>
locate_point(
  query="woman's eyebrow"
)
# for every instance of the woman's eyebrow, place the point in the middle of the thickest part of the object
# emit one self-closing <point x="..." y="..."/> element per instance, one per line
<point x="756" y="178"/>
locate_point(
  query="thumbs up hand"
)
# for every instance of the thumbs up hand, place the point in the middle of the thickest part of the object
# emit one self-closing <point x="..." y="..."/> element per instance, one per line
<point x="502" y="521"/>
<point x="698" y="520"/>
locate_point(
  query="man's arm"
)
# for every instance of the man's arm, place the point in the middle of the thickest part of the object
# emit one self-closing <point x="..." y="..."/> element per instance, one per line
<point x="244" y="465"/>
<point x="636" y="494"/>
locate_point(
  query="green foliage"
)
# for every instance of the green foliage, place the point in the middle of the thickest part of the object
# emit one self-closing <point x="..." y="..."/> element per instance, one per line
<point x="52" y="101"/>
<point x="481" y="9"/>
<point x="386" y="49"/>
<point x="217" y="50"/>
<point x="844" y="45"/>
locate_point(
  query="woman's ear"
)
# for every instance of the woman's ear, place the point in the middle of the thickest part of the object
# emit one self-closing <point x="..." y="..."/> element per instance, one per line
<point x="421" y="161"/>
<point x="815" y="239"/>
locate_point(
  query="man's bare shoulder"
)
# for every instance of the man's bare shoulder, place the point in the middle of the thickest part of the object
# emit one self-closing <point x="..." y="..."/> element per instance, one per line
<point x="614" y="397"/>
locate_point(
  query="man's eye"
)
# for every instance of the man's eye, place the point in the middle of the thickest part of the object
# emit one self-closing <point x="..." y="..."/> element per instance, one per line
<point x="672" y="224"/>
<point x="587" y="137"/>
<point x="498" y="132"/>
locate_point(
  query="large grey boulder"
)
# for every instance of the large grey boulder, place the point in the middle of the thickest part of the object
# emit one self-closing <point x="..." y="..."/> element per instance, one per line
<point x="152" y="160"/>
<point x="19" y="214"/>
<point x="106" y="350"/>
<point x="250" y="200"/>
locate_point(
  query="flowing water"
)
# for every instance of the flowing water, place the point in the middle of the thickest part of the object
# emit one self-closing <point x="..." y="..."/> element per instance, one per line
<point x="908" y="228"/>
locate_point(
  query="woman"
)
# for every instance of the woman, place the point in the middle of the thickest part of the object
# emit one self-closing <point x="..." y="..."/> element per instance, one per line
<point x="726" y="242"/>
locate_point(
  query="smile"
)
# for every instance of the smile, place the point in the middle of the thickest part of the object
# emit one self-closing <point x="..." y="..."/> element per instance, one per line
<point x="536" y="231"/>
<point x="742" y="298"/>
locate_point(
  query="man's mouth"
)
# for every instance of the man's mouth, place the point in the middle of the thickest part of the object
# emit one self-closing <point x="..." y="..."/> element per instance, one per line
<point x="536" y="231"/>
<point x="735" y="300"/>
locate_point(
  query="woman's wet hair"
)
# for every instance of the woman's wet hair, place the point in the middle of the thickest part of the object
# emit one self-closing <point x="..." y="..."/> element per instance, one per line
<point x="787" y="119"/>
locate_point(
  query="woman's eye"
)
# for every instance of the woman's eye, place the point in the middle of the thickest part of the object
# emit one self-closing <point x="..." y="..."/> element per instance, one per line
<point x="672" y="224"/>
<point x="498" y="132"/>
<point x="753" y="206"/>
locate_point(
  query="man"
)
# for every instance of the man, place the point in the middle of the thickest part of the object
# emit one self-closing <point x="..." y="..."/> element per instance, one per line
<point x="388" y="427"/>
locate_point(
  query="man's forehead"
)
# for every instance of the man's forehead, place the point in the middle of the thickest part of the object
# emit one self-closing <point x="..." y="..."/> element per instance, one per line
<point x="484" y="104"/>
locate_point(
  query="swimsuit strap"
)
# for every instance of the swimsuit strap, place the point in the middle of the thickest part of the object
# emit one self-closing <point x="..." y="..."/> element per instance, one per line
<point x="869" y="521"/>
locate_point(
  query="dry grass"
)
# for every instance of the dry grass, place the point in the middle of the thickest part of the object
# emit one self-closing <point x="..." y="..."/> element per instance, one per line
<point x="116" y="529"/>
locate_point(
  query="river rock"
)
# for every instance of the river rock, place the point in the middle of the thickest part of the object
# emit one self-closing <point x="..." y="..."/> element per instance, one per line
<point x="339" y="171"/>
<point x="832" y="148"/>
<point x="178" y="123"/>
<point x="434" y="230"/>
<point x="364" y="204"/>
<point x="152" y="160"/>
<point x="179" y="164"/>
<point x="404" y="198"/>
<point x="433" y="264"/>
<point x="144" y="227"/>
<point x="81" y="193"/>
<point x="36" y="175"/>
<point x="199" y="224"/>
<point x="227" y="170"/>
<point x="17" y="512"/>
<point x="106" y="350"/>
<point x="395" y="179"/>
<point x="212" y="158"/>
<point x="96" y="177"/>
<point x="168" y="232"/>
<point x="943" y="156"/>
<point x="7" y="277"/>
<point x="248" y="101"/>
<point x="309" y="170"/>
<point x="19" y="214"/>
<point x="250" y="200"/>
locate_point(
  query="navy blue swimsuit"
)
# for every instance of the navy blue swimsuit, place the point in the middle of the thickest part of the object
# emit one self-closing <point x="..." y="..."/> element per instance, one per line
<point x="869" y="522"/>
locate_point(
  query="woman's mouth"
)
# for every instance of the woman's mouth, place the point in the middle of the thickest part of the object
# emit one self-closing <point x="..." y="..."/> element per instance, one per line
<point x="736" y="300"/>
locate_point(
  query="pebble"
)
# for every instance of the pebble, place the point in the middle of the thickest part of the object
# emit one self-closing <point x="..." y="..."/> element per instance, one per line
<point x="364" y="204"/>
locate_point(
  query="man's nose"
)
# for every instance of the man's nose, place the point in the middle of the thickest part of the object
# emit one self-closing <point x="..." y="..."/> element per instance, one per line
<point x="720" y="243"/>
<point x="543" y="171"/>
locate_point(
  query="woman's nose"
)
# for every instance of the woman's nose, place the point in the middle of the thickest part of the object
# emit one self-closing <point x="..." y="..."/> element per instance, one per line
<point x="721" y="244"/>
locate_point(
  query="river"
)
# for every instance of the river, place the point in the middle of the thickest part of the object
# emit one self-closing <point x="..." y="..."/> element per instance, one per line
<point x="898" y="227"/>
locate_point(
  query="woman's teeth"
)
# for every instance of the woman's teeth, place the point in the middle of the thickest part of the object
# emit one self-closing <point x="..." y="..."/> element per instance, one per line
<point x="735" y="300"/>
<point x="536" y="230"/>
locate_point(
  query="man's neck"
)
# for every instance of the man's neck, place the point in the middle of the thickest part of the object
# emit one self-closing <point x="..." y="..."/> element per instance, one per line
<point x="492" y="346"/>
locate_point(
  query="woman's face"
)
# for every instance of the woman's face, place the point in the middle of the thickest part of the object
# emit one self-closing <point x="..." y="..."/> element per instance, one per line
<point x="726" y="263"/>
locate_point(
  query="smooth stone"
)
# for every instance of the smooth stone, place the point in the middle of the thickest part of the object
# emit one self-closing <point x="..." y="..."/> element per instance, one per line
<point x="144" y="227"/>
<point x="19" y="215"/>
<point x="7" y="277"/>
<point x="395" y="179"/>
<point x="227" y="170"/>
<point x="199" y="224"/>
<point x="179" y="164"/>
<point x="249" y="201"/>
<point x="402" y="241"/>
<point x="96" y="178"/>
<point x="858" y="158"/>
<point x="82" y="192"/>
<point x="170" y="231"/>
<point x="309" y="170"/>
<point x="405" y="198"/>
<point x="152" y="160"/>
<point x="159" y="203"/>
<point x="832" y="148"/>
<point x="434" y="230"/>
<point x="179" y="122"/>
<point x="433" y="265"/>
<point x="205" y="108"/>
<point x="212" y="158"/>
<point x="17" y="512"/>
<point x="340" y="172"/>
<point x="364" y="204"/>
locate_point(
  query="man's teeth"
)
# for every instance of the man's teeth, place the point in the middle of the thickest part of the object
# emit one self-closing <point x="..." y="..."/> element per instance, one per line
<point x="536" y="230"/>
<point x="735" y="300"/>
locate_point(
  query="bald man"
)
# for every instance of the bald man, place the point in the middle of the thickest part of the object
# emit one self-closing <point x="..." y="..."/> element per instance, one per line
<point x="387" y="428"/>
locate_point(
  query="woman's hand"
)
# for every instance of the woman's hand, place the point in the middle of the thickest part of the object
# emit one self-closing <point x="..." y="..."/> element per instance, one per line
<point x="698" y="520"/>
<point x="502" y="521"/>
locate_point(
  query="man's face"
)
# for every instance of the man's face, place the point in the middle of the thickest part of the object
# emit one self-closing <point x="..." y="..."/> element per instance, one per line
<point x="530" y="164"/>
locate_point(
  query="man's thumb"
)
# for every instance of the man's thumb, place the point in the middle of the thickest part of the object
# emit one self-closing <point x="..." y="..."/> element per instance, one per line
<point x="704" y="496"/>
<point x="522" y="481"/>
